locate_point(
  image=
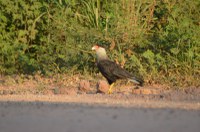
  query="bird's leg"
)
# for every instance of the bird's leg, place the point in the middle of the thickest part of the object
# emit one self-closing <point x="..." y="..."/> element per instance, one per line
<point x="110" y="89"/>
<point x="127" y="82"/>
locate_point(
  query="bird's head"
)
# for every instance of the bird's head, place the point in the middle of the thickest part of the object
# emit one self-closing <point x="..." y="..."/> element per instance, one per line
<point x="98" y="48"/>
<point x="100" y="51"/>
<point x="95" y="47"/>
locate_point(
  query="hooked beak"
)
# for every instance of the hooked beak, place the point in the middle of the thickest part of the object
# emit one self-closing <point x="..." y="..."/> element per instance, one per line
<point x="93" y="48"/>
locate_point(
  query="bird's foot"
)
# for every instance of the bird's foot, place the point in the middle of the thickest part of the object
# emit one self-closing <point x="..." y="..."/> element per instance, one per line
<point x="110" y="89"/>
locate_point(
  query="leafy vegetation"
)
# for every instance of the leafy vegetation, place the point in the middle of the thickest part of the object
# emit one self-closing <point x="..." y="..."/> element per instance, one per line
<point x="158" y="39"/>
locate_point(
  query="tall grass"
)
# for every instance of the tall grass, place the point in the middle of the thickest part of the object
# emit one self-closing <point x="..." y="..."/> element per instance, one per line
<point x="156" y="39"/>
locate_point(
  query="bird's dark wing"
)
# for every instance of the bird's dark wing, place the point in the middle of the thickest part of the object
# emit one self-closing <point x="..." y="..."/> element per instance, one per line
<point x="111" y="71"/>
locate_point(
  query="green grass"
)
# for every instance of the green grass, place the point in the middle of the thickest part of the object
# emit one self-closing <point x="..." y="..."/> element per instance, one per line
<point x="156" y="39"/>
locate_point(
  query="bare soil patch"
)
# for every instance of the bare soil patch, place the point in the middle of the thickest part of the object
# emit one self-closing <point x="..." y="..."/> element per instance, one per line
<point x="67" y="104"/>
<point x="86" y="90"/>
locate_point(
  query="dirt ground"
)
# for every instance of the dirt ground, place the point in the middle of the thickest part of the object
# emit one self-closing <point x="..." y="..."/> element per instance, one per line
<point x="65" y="107"/>
<point x="88" y="113"/>
<point x="99" y="112"/>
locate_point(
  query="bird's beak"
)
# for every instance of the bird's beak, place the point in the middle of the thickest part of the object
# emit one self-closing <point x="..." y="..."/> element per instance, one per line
<point x="93" y="48"/>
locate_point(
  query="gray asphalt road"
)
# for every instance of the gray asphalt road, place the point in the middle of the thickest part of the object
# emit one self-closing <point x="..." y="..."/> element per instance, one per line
<point x="68" y="117"/>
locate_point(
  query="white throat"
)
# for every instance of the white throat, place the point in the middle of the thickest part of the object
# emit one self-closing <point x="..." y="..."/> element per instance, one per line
<point x="101" y="54"/>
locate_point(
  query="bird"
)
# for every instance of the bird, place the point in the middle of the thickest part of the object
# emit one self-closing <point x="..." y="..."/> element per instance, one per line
<point x="111" y="70"/>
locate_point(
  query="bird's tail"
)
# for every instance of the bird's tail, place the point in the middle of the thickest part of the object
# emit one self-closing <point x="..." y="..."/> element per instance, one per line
<point x="138" y="81"/>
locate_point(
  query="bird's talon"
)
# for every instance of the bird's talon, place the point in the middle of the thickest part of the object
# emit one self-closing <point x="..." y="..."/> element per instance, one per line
<point x="109" y="91"/>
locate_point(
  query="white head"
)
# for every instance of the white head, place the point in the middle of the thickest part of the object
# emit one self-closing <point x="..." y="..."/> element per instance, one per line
<point x="100" y="52"/>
